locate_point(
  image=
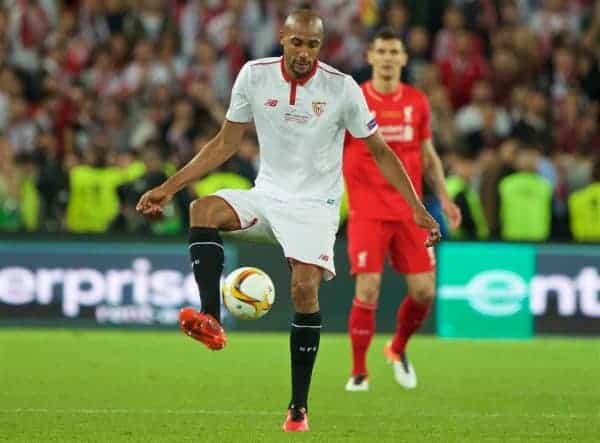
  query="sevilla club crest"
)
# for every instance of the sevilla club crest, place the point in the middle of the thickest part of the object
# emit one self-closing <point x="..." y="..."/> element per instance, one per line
<point x="318" y="108"/>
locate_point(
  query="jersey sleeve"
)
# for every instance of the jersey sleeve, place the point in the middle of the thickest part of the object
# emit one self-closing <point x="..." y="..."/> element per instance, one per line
<point x="240" y="110"/>
<point x="425" y="123"/>
<point x="357" y="117"/>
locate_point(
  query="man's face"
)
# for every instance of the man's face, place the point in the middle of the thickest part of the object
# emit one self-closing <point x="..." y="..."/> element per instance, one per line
<point x="387" y="58"/>
<point x="301" y="47"/>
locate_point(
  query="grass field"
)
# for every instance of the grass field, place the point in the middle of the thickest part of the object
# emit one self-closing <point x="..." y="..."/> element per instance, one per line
<point x="113" y="386"/>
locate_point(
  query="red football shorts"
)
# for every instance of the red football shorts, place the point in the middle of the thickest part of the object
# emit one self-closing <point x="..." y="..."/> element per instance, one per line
<point x="371" y="241"/>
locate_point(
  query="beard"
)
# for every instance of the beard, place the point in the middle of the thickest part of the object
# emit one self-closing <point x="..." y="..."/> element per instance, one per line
<point x="301" y="70"/>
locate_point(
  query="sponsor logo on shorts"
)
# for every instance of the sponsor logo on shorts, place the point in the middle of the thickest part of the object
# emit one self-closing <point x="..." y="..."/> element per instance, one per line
<point x="324" y="257"/>
<point x="372" y="124"/>
<point x="362" y="259"/>
<point x="271" y="102"/>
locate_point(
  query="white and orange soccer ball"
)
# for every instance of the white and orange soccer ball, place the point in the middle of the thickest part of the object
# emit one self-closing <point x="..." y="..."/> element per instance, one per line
<point x="248" y="293"/>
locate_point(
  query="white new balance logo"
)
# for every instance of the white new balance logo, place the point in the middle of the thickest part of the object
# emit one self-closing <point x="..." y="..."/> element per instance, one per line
<point x="308" y="349"/>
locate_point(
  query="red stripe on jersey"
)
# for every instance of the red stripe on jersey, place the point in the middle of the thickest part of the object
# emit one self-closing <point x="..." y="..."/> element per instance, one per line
<point x="293" y="93"/>
<point x="302" y="80"/>
<point x="330" y="72"/>
<point x="264" y="63"/>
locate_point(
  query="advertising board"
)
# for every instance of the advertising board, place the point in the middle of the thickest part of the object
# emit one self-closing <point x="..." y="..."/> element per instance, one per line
<point x="483" y="290"/>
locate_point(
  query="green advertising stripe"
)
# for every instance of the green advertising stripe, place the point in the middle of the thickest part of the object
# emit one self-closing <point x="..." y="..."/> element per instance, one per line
<point x="483" y="290"/>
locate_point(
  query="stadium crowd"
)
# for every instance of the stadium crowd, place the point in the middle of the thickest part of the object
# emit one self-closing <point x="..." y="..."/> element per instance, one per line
<point x="100" y="100"/>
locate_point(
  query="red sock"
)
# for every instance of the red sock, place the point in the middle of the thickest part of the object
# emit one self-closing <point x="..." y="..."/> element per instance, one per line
<point x="361" y="327"/>
<point x="409" y="318"/>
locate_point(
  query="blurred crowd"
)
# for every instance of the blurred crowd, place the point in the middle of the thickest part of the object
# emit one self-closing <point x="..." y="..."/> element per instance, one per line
<point x="102" y="99"/>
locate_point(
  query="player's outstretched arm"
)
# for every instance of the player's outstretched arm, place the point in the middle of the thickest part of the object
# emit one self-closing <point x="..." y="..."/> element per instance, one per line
<point x="392" y="169"/>
<point x="216" y="152"/>
<point x="434" y="175"/>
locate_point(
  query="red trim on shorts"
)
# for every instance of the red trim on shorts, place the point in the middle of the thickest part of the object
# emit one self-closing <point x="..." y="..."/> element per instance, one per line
<point x="252" y="223"/>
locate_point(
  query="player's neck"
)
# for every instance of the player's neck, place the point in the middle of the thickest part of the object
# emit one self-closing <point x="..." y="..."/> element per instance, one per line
<point x="385" y="85"/>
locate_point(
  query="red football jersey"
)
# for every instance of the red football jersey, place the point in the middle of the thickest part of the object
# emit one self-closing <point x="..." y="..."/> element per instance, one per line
<point x="403" y="118"/>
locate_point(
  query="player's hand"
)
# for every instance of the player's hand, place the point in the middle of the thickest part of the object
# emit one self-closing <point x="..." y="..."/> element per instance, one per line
<point x="425" y="220"/>
<point x="452" y="213"/>
<point x="151" y="204"/>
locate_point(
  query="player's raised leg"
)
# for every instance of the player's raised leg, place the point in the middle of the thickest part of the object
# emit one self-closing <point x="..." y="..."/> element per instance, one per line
<point x="361" y="327"/>
<point x="304" y="340"/>
<point x="207" y="217"/>
<point x="411" y="314"/>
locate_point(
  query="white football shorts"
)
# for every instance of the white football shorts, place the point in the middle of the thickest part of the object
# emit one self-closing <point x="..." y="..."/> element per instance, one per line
<point x="305" y="229"/>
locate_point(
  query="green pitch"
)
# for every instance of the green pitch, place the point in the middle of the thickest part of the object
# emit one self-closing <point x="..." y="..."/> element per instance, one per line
<point x="113" y="386"/>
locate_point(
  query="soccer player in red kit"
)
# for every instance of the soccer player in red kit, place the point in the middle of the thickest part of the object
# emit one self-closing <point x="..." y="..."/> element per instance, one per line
<point x="380" y="221"/>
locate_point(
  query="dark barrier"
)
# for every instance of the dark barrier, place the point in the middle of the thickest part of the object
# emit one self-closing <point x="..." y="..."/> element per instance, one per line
<point x="566" y="291"/>
<point x="485" y="289"/>
<point x="144" y="284"/>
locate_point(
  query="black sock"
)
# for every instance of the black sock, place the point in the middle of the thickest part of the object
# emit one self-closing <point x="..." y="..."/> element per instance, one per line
<point x="304" y="343"/>
<point x="206" y="253"/>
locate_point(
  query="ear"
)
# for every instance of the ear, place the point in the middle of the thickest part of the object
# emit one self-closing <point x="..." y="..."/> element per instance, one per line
<point x="404" y="59"/>
<point x="281" y="36"/>
<point x="369" y="55"/>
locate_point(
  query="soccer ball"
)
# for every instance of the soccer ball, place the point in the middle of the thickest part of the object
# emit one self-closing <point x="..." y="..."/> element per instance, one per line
<point x="248" y="293"/>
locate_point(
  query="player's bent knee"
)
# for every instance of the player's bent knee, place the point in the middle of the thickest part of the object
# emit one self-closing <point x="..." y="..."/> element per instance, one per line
<point x="368" y="294"/>
<point x="212" y="212"/>
<point x="367" y="288"/>
<point x="424" y="294"/>
<point x="201" y="213"/>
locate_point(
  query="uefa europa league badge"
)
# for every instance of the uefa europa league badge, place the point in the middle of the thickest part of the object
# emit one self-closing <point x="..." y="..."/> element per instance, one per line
<point x="318" y="108"/>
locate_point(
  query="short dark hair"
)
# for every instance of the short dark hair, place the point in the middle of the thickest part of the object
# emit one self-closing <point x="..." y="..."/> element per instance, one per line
<point x="468" y="147"/>
<point x="385" y="33"/>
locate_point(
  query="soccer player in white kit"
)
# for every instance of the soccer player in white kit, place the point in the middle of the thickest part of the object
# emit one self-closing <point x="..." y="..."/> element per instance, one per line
<point x="301" y="109"/>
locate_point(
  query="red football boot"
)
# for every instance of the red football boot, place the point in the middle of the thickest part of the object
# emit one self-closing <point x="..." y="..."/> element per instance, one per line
<point x="296" y="420"/>
<point x="202" y="327"/>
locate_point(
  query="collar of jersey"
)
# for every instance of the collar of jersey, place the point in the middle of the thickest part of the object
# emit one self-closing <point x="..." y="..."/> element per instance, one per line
<point x="300" y="81"/>
<point x="394" y="95"/>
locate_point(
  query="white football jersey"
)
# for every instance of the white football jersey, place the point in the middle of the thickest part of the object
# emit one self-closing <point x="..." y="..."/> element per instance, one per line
<point x="300" y="126"/>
